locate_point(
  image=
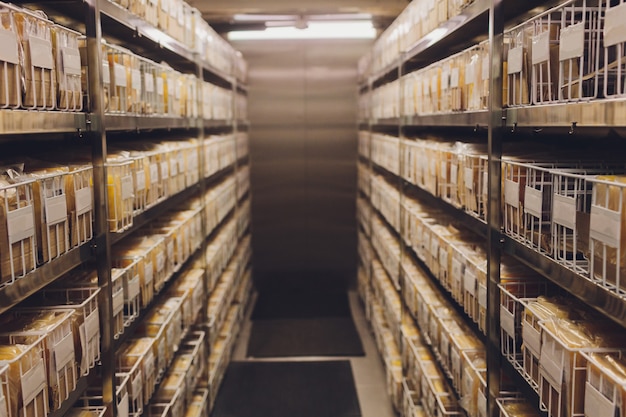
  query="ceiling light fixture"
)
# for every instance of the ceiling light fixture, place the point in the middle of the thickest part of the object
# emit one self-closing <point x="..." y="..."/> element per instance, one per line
<point x="315" y="30"/>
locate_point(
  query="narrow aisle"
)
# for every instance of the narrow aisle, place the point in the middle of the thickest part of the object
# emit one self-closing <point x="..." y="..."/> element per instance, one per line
<point x="367" y="370"/>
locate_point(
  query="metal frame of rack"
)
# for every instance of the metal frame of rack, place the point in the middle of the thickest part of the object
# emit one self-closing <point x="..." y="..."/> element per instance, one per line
<point x="496" y="125"/>
<point x="95" y="18"/>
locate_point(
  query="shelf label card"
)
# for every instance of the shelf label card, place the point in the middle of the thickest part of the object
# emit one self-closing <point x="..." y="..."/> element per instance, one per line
<point x="149" y="82"/>
<point x="119" y="71"/>
<point x="541" y="48"/>
<point x="165" y="168"/>
<point x="133" y="288"/>
<point x="469" y="178"/>
<point x="106" y="73"/>
<point x="572" y="42"/>
<point x="41" y="52"/>
<point x="148" y="273"/>
<point x="33" y="382"/>
<point x="154" y="173"/>
<point x="84" y="200"/>
<point x="123" y="406"/>
<point x="118" y="303"/>
<point x="174" y="166"/>
<point x="606" y="226"/>
<point x="515" y="60"/>
<point x="148" y="363"/>
<point x="551" y="365"/>
<point x="457" y="270"/>
<point x="63" y="352"/>
<point x="486" y="63"/>
<point x="434" y="86"/>
<point x="92" y="325"/>
<point x="140" y="180"/>
<point x="21" y="224"/>
<point x="71" y="61"/>
<point x="614" y="28"/>
<point x="507" y="321"/>
<point x="160" y="261"/>
<point x="159" y="85"/>
<point x="444" y="171"/>
<point x="136" y="385"/>
<point x="445" y="79"/>
<point x="596" y="404"/>
<point x="531" y="338"/>
<point x="56" y="210"/>
<point x="482" y="295"/>
<point x="8" y="47"/>
<point x="127" y="187"/>
<point x="136" y="80"/>
<point x="454" y="173"/>
<point x="170" y="250"/>
<point x="564" y="211"/>
<point x="511" y="193"/>
<point x="469" y="281"/>
<point x="533" y="202"/>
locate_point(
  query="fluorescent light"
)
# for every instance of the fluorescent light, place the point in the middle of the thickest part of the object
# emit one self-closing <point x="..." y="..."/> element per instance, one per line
<point x="316" y="30"/>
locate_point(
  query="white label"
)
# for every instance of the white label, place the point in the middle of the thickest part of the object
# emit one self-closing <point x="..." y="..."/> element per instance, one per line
<point x="148" y="364"/>
<point x="120" y="75"/>
<point x="511" y="193"/>
<point x="33" y="382"/>
<point x="457" y="270"/>
<point x="8" y="47"/>
<point x="159" y="86"/>
<point x="133" y="288"/>
<point x="481" y="403"/>
<point x="443" y="259"/>
<point x="445" y="79"/>
<point x="174" y="167"/>
<point x="454" y="173"/>
<point x="64" y="352"/>
<point x="533" y="202"/>
<point x="482" y="295"/>
<point x="550" y="361"/>
<point x="106" y="73"/>
<point x="165" y="170"/>
<point x="541" y="48"/>
<point x="531" y="338"/>
<point x="41" y="52"/>
<point x="434" y="84"/>
<point x="572" y="42"/>
<point x="470" y="281"/>
<point x="564" y="211"/>
<point x="515" y="60"/>
<point x="160" y="261"/>
<point x="140" y="177"/>
<point x="470" y="73"/>
<point x="434" y="246"/>
<point x="170" y="250"/>
<point x="148" y="273"/>
<point x="455" y="77"/>
<point x="165" y="5"/>
<point x="469" y="178"/>
<point x="605" y="226"/>
<point x="118" y="303"/>
<point x="56" y="210"/>
<point x="149" y="82"/>
<point x="71" y="61"/>
<point x="507" y="321"/>
<point x="127" y="187"/>
<point x="486" y="64"/>
<point x="597" y="404"/>
<point x="179" y="245"/>
<point x="177" y="89"/>
<point x="154" y="173"/>
<point x="84" y="200"/>
<point x="92" y="325"/>
<point x="21" y="224"/>
<point x="136" y="79"/>
<point x="444" y="170"/>
<point x="433" y="167"/>
<point x="122" y="406"/>
<point x="136" y="384"/>
<point x="485" y="183"/>
<point x="614" y="28"/>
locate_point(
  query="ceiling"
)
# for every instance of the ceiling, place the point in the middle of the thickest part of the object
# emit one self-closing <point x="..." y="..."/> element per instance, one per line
<point x="219" y="13"/>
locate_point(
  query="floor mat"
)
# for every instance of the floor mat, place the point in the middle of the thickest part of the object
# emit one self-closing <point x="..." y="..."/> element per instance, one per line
<point x="301" y="304"/>
<point x="288" y="389"/>
<point x="304" y="337"/>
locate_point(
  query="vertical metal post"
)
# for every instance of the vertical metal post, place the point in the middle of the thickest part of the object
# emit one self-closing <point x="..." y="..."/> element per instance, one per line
<point x="370" y="124"/>
<point x="401" y="181"/>
<point x="96" y="135"/>
<point x="494" y="223"/>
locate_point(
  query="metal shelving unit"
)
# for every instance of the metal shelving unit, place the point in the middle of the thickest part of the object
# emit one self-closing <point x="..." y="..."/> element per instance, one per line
<point x="583" y="120"/>
<point x="97" y="19"/>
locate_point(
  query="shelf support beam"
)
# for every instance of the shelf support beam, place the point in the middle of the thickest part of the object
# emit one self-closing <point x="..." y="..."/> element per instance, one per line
<point x="495" y="133"/>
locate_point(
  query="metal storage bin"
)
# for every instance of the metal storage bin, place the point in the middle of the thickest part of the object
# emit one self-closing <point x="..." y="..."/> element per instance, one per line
<point x="614" y="48"/>
<point x="137" y="359"/>
<point x="10" y="67"/>
<point x="24" y="378"/>
<point x="17" y="230"/>
<point x="65" y="44"/>
<point x="605" y="387"/>
<point x="121" y="193"/>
